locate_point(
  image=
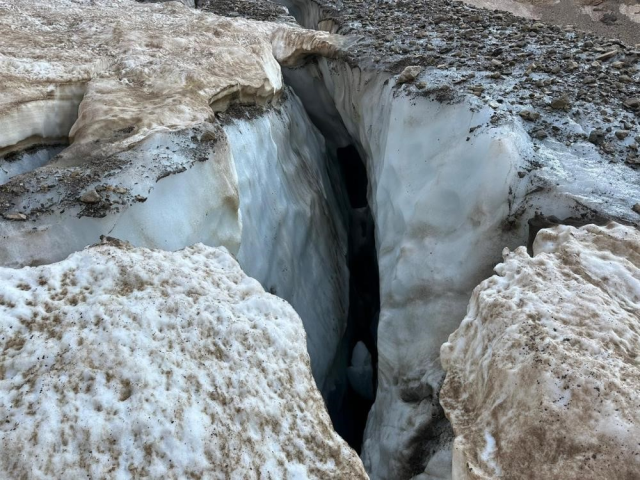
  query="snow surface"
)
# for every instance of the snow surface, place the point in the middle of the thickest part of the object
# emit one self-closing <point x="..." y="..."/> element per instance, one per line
<point x="542" y="374"/>
<point x="124" y="362"/>
<point x="152" y="66"/>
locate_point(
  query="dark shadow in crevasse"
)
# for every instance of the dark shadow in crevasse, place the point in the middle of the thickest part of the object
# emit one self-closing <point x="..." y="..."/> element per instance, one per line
<point x="349" y="413"/>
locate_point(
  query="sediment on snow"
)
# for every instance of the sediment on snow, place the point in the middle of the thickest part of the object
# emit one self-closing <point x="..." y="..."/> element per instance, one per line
<point x="462" y="149"/>
<point x="554" y="335"/>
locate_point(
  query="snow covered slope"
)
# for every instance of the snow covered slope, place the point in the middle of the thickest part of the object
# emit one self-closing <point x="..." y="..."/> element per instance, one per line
<point x="542" y="375"/>
<point x="125" y="363"/>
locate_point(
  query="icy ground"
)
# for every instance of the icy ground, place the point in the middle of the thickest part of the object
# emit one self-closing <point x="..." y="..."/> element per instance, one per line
<point x="123" y="362"/>
<point x="542" y="375"/>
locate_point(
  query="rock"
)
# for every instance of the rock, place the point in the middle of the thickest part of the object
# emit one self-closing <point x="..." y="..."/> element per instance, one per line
<point x="540" y="134"/>
<point x="542" y="336"/>
<point x="90" y="196"/>
<point x="561" y="103"/>
<point x="496" y="63"/>
<point x="409" y="74"/>
<point x="597" y="136"/>
<point x="529" y="115"/>
<point x="20" y="217"/>
<point x="636" y="208"/>
<point x="633" y="103"/>
<point x="607" y="55"/>
<point x="622" y="134"/>
<point x="187" y="366"/>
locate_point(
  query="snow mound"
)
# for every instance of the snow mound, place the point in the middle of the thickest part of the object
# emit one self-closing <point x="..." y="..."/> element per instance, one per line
<point x="123" y="362"/>
<point x="543" y="375"/>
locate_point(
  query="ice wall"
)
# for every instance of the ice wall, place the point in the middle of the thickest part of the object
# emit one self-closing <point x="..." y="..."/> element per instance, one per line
<point x="449" y="188"/>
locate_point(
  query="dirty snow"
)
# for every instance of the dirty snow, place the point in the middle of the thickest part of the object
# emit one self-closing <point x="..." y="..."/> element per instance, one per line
<point x="126" y="363"/>
<point x="542" y="375"/>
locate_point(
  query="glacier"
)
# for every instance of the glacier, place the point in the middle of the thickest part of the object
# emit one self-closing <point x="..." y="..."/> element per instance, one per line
<point x="123" y="362"/>
<point x="542" y="372"/>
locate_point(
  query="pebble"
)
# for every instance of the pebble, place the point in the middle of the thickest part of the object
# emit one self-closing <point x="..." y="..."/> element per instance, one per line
<point x="90" y="196"/>
<point x="20" y="217"/>
<point x="409" y="74"/>
<point x="560" y="103"/>
<point x="597" y="136"/>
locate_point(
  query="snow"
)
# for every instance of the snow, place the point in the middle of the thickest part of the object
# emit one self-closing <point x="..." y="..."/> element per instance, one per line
<point x="449" y="189"/>
<point x="154" y="66"/>
<point x="554" y="335"/>
<point x="140" y="97"/>
<point x="125" y="362"/>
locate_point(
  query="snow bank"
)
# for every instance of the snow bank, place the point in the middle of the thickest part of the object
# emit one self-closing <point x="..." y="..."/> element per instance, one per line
<point x="121" y="362"/>
<point x="542" y="375"/>
<point x="140" y="98"/>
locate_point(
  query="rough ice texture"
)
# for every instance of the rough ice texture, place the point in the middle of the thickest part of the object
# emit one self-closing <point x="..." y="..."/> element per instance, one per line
<point x="134" y="88"/>
<point x="126" y="363"/>
<point x="169" y="171"/>
<point x="445" y="202"/>
<point x="542" y="374"/>
<point x="149" y="66"/>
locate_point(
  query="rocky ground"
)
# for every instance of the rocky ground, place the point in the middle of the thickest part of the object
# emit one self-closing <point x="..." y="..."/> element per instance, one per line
<point x="553" y="77"/>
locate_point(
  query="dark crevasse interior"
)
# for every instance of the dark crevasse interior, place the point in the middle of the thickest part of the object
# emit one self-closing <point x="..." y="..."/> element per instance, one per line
<point x="349" y="406"/>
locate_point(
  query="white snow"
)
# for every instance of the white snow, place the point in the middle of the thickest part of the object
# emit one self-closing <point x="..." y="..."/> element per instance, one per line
<point x="122" y="362"/>
<point x="542" y="375"/>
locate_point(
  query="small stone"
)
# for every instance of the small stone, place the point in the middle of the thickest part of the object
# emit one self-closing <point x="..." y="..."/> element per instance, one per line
<point x="421" y="85"/>
<point x="633" y="103"/>
<point x="18" y="217"/>
<point x="560" y="103"/>
<point x="90" y="196"/>
<point x="540" y="134"/>
<point x="636" y="208"/>
<point x="120" y="190"/>
<point x="571" y="66"/>
<point x="596" y="137"/>
<point x="409" y="74"/>
<point x="496" y="63"/>
<point x="529" y="115"/>
<point x="622" y="134"/>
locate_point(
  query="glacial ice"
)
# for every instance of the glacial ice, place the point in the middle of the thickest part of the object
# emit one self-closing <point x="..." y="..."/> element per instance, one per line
<point x="542" y="375"/>
<point x="124" y="362"/>
<point x="136" y="98"/>
<point x="448" y="190"/>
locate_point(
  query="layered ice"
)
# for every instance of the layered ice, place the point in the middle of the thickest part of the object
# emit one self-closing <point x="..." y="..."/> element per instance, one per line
<point x="542" y="375"/>
<point x="139" y="92"/>
<point x="124" y="362"/>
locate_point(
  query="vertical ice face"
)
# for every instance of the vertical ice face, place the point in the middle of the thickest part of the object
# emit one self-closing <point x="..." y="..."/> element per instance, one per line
<point x="449" y="188"/>
<point x="542" y="376"/>
<point x="124" y="362"/>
